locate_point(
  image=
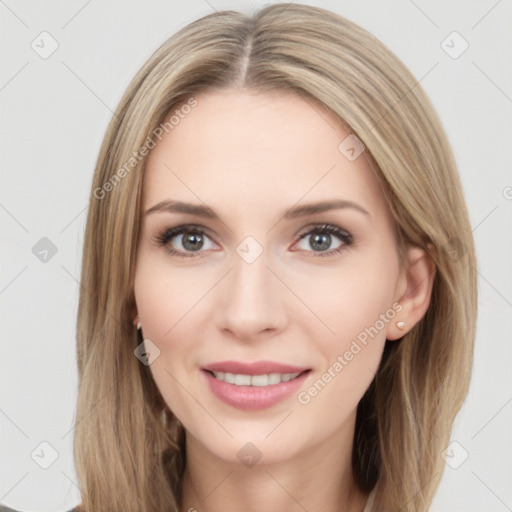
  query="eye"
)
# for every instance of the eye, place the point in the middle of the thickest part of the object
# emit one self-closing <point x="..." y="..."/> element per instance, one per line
<point x="321" y="239"/>
<point x="191" y="241"/>
<point x="184" y="240"/>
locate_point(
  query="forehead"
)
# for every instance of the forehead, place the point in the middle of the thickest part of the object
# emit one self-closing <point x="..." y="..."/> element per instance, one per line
<point x="239" y="148"/>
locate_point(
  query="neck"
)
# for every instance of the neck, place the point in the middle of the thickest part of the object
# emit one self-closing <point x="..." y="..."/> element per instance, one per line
<point x="318" y="478"/>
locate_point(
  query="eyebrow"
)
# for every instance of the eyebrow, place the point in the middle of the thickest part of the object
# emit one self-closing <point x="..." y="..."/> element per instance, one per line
<point x="171" y="206"/>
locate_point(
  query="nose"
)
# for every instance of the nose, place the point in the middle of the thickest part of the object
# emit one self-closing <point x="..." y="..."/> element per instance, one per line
<point x="251" y="301"/>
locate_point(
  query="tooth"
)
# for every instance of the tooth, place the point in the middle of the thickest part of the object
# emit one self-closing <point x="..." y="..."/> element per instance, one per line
<point x="242" y="380"/>
<point x="288" y="376"/>
<point x="218" y="375"/>
<point x="274" y="378"/>
<point x="260" y="380"/>
<point x="229" y="377"/>
<point x="254" y="380"/>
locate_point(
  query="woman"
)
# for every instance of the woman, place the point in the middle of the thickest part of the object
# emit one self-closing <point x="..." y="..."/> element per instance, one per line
<point x="278" y="294"/>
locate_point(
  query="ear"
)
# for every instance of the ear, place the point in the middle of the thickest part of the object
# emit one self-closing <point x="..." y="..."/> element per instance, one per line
<point x="413" y="291"/>
<point x="134" y="316"/>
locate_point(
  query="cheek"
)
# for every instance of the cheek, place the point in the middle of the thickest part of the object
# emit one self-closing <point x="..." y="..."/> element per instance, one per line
<point x="165" y="298"/>
<point x="358" y="313"/>
<point x="169" y="303"/>
<point x="355" y="302"/>
<point x="351" y="300"/>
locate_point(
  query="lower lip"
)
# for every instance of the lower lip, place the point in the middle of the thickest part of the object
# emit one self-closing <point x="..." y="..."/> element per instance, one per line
<point x="253" y="397"/>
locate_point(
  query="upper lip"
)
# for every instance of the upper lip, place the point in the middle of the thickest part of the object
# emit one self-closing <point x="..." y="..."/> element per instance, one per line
<point x="254" y="368"/>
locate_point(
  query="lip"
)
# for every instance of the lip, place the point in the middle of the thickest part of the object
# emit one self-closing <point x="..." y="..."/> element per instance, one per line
<point x="253" y="398"/>
<point x="254" y="368"/>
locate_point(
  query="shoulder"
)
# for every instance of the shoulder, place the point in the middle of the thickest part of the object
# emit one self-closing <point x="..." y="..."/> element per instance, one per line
<point x="4" y="508"/>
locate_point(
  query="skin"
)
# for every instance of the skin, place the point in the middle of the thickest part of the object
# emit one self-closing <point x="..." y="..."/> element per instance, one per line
<point x="249" y="157"/>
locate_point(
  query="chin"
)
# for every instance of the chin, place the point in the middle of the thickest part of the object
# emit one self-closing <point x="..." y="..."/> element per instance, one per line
<point x="252" y="445"/>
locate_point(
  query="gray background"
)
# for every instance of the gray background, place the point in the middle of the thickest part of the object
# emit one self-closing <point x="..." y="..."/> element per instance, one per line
<point x="54" y="114"/>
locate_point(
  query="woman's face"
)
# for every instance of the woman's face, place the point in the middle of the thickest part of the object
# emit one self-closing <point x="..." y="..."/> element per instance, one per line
<point x="253" y="276"/>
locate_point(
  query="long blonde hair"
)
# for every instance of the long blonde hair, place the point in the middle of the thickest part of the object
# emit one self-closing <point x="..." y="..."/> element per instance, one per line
<point x="129" y="448"/>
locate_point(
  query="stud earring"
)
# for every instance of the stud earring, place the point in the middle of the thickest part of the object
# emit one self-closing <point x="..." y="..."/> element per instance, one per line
<point x="400" y="325"/>
<point x="139" y="325"/>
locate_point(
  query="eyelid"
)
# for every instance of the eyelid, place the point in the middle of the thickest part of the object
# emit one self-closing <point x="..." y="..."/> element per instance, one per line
<point x="323" y="226"/>
<point x="345" y="237"/>
<point x="164" y="236"/>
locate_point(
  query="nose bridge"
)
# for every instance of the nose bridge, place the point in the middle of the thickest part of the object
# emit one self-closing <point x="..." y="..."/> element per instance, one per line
<point x="250" y="278"/>
<point x="250" y="301"/>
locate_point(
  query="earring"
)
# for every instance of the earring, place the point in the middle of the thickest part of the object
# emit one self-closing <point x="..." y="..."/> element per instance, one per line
<point x="400" y="325"/>
<point x="139" y="325"/>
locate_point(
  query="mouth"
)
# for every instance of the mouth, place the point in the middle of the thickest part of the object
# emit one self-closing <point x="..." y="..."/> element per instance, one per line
<point x="254" y="368"/>
<point x="263" y="380"/>
<point x="254" y="386"/>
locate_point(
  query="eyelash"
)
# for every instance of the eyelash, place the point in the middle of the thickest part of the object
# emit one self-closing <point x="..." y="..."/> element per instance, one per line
<point x="166" y="235"/>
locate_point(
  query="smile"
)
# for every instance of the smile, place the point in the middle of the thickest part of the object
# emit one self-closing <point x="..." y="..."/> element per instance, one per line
<point x="239" y="379"/>
<point x="254" y="392"/>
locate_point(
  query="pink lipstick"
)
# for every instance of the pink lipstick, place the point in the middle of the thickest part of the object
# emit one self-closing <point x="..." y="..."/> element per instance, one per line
<point x="253" y="386"/>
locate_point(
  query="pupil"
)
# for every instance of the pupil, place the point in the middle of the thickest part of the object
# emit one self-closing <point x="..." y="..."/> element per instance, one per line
<point x="192" y="242"/>
<point x="321" y="241"/>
